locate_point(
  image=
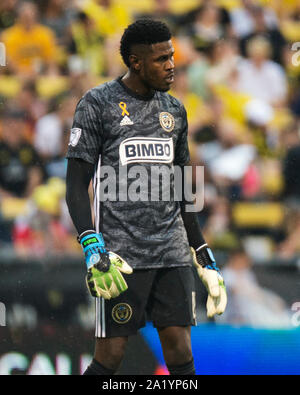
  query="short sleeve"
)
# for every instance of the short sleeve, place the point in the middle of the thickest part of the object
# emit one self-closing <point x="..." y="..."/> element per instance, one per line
<point x="86" y="134"/>
<point x="182" y="154"/>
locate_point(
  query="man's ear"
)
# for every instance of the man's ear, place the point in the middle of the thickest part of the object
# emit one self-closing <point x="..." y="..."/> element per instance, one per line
<point x="135" y="62"/>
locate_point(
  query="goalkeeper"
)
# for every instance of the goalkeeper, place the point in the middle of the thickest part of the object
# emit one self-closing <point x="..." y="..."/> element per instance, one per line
<point x="139" y="253"/>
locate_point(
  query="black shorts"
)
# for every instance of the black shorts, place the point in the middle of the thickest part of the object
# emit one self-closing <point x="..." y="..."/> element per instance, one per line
<point x="164" y="296"/>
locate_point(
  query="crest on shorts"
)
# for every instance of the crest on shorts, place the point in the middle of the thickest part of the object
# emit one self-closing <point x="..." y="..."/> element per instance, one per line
<point x="167" y="121"/>
<point x="121" y="313"/>
<point x="74" y="136"/>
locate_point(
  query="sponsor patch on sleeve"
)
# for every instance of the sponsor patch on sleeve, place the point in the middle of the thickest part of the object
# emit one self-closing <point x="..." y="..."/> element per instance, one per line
<point x="75" y="136"/>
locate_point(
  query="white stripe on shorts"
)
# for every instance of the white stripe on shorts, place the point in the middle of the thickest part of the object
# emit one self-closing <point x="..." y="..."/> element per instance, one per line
<point x="100" y="302"/>
<point x="100" y="318"/>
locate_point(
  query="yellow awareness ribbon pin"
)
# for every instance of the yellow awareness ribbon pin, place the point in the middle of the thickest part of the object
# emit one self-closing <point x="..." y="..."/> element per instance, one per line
<point x="123" y="106"/>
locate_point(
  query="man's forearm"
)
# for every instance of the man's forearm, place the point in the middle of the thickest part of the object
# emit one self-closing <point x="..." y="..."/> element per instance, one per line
<point x="79" y="174"/>
<point x="193" y="229"/>
<point x="191" y="221"/>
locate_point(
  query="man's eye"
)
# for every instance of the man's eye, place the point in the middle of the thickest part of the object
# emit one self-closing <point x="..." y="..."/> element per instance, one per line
<point x="165" y="58"/>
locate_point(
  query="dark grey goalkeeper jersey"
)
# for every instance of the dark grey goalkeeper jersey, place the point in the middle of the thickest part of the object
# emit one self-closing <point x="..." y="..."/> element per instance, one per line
<point x="133" y="141"/>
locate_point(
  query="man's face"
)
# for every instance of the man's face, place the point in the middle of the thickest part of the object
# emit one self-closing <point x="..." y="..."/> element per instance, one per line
<point x="157" y="66"/>
<point x="28" y="14"/>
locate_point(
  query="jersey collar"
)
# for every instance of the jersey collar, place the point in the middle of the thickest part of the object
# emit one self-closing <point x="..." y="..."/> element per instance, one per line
<point x="132" y="93"/>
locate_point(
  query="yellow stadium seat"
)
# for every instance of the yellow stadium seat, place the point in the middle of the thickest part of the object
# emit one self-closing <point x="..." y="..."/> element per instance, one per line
<point x="10" y="86"/>
<point x="12" y="207"/>
<point x="50" y="86"/>
<point x="254" y="215"/>
<point x="291" y="30"/>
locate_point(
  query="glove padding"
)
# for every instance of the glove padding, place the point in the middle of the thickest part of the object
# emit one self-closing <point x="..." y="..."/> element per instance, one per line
<point x="104" y="277"/>
<point x="111" y="283"/>
<point x="214" y="284"/>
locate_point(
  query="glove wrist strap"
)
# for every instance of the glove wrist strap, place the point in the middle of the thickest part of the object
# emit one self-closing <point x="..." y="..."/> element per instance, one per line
<point x="85" y="233"/>
<point x="94" y="249"/>
<point x="205" y="257"/>
<point x="201" y="247"/>
<point x="88" y="237"/>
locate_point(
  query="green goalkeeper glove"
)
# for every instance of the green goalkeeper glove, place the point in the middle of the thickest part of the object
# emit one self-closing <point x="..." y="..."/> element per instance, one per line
<point x="212" y="279"/>
<point x="104" y="277"/>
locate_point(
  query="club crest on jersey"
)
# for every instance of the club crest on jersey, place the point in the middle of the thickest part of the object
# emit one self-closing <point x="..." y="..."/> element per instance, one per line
<point x="121" y="313"/>
<point x="146" y="149"/>
<point x="75" y="136"/>
<point x="167" y="121"/>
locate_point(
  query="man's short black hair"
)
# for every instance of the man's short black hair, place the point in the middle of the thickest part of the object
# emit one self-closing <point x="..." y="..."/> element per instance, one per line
<point x="143" y="31"/>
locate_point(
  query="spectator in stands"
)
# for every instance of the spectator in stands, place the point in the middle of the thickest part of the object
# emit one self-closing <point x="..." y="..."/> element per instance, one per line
<point x="218" y="228"/>
<point x="86" y="47"/>
<point x="20" y="166"/>
<point x="40" y="231"/>
<point x="31" y="47"/>
<point x="259" y="76"/>
<point x="248" y="302"/>
<point x="198" y="113"/>
<point x="207" y="27"/>
<point x="51" y="135"/>
<point x="110" y="18"/>
<point x="224" y="57"/>
<point x="243" y="20"/>
<point x="189" y="18"/>
<point x="228" y="157"/>
<point x="28" y="100"/>
<point x="58" y="15"/>
<point x="197" y="71"/>
<point x="31" y="104"/>
<point x="261" y="29"/>
<point x="215" y="66"/>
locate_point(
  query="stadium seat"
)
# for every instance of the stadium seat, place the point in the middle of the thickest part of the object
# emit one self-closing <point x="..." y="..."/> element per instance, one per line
<point x="255" y="215"/>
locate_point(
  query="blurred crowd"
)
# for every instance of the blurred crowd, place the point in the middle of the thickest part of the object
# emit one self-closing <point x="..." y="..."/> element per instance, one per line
<point x="237" y="73"/>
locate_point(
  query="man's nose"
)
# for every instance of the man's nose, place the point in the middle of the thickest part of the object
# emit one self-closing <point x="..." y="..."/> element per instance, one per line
<point x="170" y="64"/>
